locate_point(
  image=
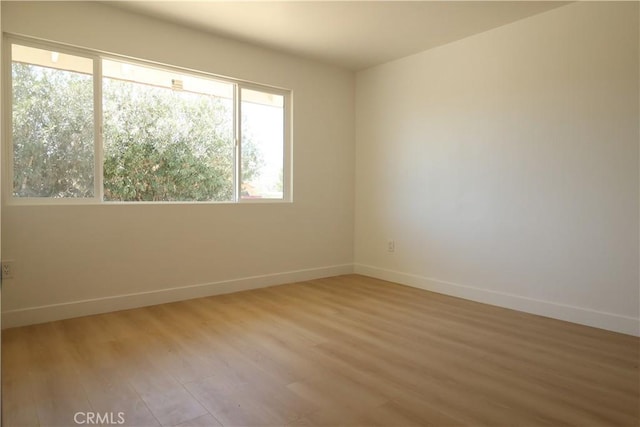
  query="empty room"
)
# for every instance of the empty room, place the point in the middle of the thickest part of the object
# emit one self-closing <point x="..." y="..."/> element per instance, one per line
<point x="320" y="213"/>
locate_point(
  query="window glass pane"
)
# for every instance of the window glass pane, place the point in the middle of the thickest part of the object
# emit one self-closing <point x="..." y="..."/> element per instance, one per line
<point x="262" y="145"/>
<point x="52" y="124"/>
<point x="167" y="136"/>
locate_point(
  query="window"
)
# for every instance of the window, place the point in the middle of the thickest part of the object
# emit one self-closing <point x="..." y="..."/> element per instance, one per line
<point x="52" y="124"/>
<point x="262" y="152"/>
<point x="87" y="127"/>
<point x="166" y="136"/>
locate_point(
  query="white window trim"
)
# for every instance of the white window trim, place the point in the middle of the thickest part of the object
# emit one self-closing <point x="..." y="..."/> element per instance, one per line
<point x="98" y="198"/>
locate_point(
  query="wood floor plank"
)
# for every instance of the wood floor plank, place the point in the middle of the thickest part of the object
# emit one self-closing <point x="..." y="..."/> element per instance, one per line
<point x="207" y="420"/>
<point x="340" y="351"/>
<point x="173" y="406"/>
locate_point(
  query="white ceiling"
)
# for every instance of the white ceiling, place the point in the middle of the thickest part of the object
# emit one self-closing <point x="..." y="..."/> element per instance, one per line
<point x="351" y="34"/>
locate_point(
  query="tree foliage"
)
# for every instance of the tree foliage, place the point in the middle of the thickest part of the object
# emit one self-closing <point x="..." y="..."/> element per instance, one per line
<point x="53" y="153"/>
<point x="159" y="144"/>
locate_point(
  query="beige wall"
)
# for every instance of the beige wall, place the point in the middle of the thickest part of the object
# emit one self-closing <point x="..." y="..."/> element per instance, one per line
<point x="505" y="166"/>
<point x="66" y="254"/>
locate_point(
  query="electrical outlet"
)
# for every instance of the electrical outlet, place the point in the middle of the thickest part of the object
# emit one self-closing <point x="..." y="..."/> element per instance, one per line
<point x="391" y="246"/>
<point x="7" y="270"/>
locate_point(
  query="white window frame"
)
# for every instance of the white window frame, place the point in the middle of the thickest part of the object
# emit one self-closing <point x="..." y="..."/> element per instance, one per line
<point x="98" y="197"/>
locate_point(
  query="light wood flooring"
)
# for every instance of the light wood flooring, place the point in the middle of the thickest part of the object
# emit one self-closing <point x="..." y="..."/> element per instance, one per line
<point x="341" y="351"/>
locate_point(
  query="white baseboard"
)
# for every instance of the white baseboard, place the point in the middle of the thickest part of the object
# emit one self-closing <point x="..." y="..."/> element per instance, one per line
<point x="48" y="313"/>
<point x="584" y="316"/>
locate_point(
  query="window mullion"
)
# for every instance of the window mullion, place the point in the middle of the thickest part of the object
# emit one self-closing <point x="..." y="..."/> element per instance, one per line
<point x="7" y="121"/>
<point x="98" y="129"/>
<point x="238" y="144"/>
